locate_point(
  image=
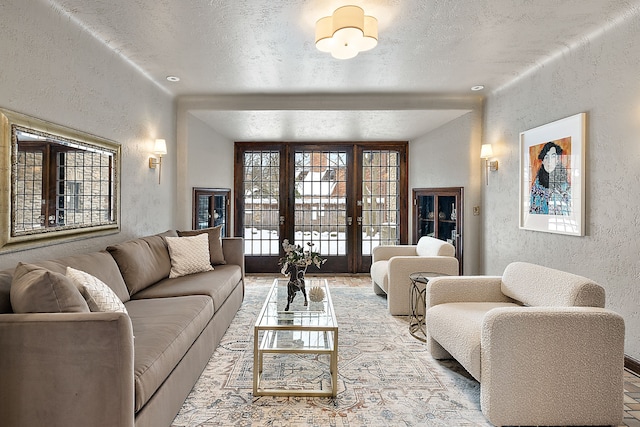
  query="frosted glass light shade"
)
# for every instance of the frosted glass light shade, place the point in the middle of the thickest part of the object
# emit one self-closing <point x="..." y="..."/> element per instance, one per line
<point x="347" y="32"/>
<point x="344" y="51"/>
<point x="324" y="34"/>
<point x="370" y="39"/>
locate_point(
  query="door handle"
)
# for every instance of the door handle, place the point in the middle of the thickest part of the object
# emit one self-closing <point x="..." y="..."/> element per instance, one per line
<point x="281" y="219"/>
<point x="359" y="219"/>
<point x="349" y="220"/>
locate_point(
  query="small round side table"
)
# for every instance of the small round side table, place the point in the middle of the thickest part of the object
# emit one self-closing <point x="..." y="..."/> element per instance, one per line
<point x="419" y="281"/>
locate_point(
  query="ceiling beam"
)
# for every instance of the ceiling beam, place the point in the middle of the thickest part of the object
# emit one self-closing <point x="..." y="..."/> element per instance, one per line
<point x="329" y="102"/>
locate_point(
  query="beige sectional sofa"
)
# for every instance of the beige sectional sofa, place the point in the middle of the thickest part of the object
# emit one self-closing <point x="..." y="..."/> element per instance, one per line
<point x="112" y="368"/>
<point x="538" y="340"/>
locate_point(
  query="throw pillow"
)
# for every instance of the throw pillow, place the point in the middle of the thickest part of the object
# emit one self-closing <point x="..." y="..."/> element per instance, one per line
<point x="215" y="242"/>
<point x="143" y="261"/>
<point x="99" y="296"/>
<point x="38" y="290"/>
<point x="189" y="255"/>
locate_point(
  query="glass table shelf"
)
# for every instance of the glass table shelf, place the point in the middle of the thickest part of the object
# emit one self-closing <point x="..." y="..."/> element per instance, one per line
<point x="310" y="328"/>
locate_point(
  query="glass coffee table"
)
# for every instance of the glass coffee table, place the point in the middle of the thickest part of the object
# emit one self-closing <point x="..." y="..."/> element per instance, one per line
<point x="310" y="329"/>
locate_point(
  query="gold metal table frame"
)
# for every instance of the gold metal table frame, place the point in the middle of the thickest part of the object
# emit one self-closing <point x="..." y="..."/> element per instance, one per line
<point x="419" y="281"/>
<point x="310" y="329"/>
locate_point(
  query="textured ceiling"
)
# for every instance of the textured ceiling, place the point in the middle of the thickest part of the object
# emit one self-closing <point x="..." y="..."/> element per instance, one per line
<point x="265" y="47"/>
<point x="308" y="125"/>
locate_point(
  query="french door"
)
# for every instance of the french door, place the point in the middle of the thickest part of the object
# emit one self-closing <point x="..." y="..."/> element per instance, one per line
<point x="343" y="198"/>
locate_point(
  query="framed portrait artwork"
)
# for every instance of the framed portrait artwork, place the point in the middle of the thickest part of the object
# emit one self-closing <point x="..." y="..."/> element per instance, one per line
<point x="552" y="176"/>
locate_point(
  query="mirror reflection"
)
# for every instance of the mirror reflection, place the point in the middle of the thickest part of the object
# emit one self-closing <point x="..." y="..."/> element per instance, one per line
<point x="62" y="181"/>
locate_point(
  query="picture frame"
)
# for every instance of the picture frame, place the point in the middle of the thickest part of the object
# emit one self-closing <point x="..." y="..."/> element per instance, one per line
<point x="552" y="177"/>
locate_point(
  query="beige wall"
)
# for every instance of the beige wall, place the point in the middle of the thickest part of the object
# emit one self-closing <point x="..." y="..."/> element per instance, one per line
<point x="450" y="157"/>
<point x="54" y="70"/>
<point x="209" y="163"/>
<point x="601" y="78"/>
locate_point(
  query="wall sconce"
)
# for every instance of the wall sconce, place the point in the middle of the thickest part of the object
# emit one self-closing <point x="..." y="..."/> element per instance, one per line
<point x="485" y="152"/>
<point x="160" y="149"/>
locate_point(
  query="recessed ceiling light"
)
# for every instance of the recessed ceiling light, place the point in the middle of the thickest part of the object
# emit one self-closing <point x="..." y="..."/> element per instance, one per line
<point x="173" y="78"/>
<point x="478" y="87"/>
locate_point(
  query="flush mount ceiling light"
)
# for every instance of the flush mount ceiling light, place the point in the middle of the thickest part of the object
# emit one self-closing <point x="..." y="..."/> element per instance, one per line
<point x="347" y="32"/>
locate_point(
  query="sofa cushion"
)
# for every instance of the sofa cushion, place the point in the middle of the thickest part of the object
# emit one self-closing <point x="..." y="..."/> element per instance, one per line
<point x="99" y="264"/>
<point x="102" y="266"/>
<point x="380" y="274"/>
<point x="38" y="290"/>
<point x="535" y="285"/>
<point x="6" y="277"/>
<point x="99" y="296"/>
<point x="215" y="242"/>
<point x="218" y="285"/>
<point x="144" y="261"/>
<point x="457" y="327"/>
<point x="164" y="330"/>
<point x="189" y="255"/>
<point x="430" y="246"/>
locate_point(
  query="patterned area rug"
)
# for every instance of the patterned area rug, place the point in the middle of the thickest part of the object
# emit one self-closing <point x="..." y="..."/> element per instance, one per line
<point x="385" y="376"/>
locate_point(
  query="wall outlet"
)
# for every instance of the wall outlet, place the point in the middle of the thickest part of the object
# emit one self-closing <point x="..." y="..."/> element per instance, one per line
<point x="476" y="210"/>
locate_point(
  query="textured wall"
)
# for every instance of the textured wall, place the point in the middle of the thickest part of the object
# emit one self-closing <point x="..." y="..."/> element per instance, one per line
<point x="209" y="157"/>
<point x="54" y="70"/>
<point x="600" y="77"/>
<point x="450" y="157"/>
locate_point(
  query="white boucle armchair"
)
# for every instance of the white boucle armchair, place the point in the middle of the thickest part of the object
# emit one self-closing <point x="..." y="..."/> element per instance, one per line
<point x="538" y="340"/>
<point x="391" y="266"/>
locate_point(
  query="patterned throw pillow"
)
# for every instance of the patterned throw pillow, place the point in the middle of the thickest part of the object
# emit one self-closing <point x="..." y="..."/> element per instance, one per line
<point x="189" y="255"/>
<point x="99" y="296"/>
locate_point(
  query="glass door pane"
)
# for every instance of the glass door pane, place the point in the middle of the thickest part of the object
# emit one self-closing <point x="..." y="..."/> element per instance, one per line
<point x="447" y="218"/>
<point x="426" y="217"/>
<point x="320" y="211"/>
<point x="203" y="211"/>
<point x="380" y="199"/>
<point x="219" y="215"/>
<point x="261" y="189"/>
<point x="345" y="198"/>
